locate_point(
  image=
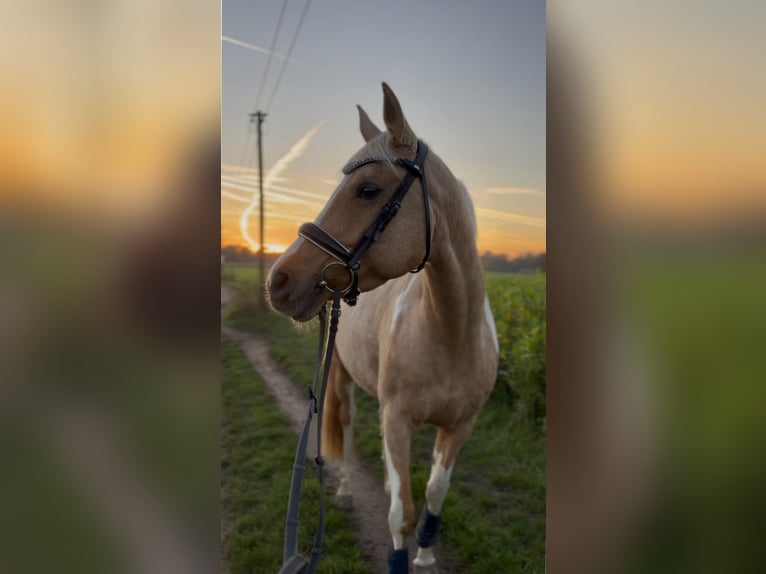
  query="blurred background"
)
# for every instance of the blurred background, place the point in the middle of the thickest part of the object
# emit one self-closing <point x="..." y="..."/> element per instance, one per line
<point x="656" y="212"/>
<point x="109" y="301"/>
<point x="109" y="198"/>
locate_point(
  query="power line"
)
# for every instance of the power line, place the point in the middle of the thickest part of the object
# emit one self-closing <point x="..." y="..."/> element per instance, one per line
<point x="242" y="167"/>
<point x="289" y="53"/>
<point x="271" y="54"/>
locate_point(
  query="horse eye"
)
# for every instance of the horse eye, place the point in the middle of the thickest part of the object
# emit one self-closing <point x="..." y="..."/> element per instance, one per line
<point x="368" y="192"/>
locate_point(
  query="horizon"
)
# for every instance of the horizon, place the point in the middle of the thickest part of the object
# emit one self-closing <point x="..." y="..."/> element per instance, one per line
<point x="268" y="251"/>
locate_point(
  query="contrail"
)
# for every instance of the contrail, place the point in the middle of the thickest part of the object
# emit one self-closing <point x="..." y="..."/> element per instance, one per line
<point x="253" y="47"/>
<point x="266" y="51"/>
<point x="271" y="176"/>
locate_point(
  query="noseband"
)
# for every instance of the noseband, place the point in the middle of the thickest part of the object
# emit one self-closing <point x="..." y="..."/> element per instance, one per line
<point x="351" y="258"/>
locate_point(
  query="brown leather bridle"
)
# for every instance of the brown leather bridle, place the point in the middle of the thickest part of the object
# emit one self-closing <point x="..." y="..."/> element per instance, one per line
<point x="351" y="258"/>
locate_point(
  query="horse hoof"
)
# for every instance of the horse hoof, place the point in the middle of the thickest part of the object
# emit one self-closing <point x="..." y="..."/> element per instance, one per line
<point x="430" y="569"/>
<point x="425" y="561"/>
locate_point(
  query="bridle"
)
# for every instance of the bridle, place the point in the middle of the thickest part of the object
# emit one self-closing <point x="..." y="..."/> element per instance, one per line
<point x="293" y="563"/>
<point x="351" y="258"/>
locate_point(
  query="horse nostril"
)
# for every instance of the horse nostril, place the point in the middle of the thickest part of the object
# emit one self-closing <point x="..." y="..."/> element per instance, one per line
<point x="279" y="283"/>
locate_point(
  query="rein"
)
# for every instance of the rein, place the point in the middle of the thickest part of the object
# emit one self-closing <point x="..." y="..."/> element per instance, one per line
<point x="293" y="563"/>
<point x="351" y="258"/>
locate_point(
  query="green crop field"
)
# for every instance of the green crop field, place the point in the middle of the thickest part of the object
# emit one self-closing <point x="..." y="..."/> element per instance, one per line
<point x="494" y="516"/>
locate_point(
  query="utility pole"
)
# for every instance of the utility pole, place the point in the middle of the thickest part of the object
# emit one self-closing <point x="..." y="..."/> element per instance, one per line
<point x="259" y="116"/>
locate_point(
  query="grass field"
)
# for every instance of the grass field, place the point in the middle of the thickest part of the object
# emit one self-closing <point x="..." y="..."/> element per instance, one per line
<point x="256" y="481"/>
<point x="494" y="516"/>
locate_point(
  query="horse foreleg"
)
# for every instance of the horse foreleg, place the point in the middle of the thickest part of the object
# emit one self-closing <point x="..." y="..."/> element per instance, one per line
<point x="397" y="434"/>
<point x="446" y="447"/>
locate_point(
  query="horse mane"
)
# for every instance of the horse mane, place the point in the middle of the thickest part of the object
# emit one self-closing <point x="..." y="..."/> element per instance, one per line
<point x="457" y="202"/>
<point x="469" y="204"/>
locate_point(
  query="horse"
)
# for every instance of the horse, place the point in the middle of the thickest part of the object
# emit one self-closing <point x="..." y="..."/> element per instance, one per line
<point x="423" y="344"/>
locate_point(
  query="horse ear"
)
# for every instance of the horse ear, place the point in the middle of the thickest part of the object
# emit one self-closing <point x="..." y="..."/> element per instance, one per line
<point x="400" y="131"/>
<point x="369" y="130"/>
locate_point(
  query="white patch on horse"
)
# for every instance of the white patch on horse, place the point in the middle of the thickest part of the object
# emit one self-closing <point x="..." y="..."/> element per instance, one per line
<point x="491" y="322"/>
<point x="438" y="485"/>
<point x="401" y="302"/>
<point x="396" y="510"/>
<point x="436" y="493"/>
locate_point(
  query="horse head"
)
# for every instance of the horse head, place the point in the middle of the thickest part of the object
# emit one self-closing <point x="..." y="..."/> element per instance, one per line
<point x="301" y="280"/>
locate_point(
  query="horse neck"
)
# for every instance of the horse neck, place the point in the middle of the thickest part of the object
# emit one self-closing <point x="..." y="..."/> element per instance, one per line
<point x="453" y="280"/>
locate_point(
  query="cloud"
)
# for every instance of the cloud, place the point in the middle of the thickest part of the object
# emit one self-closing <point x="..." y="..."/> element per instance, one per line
<point x="234" y="196"/>
<point x="272" y="176"/>
<point x="482" y="212"/>
<point x="240" y="169"/>
<point x="238" y="185"/>
<point x="245" y="183"/>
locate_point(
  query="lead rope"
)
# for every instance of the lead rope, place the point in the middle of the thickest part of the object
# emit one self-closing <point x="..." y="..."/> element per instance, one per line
<point x="293" y="562"/>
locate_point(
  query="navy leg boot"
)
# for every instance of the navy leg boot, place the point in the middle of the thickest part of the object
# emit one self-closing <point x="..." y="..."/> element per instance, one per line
<point x="428" y="528"/>
<point x="398" y="561"/>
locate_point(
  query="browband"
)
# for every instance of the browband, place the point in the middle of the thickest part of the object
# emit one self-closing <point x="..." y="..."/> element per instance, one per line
<point x="351" y="258"/>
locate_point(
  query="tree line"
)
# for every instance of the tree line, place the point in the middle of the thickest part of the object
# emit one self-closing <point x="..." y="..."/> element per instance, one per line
<point x="526" y="263"/>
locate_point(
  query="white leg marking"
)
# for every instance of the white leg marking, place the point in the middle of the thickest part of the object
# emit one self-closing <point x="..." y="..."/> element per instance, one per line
<point x="386" y="483"/>
<point x="438" y="485"/>
<point x="436" y="492"/>
<point x="396" y="510"/>
<point x="491" y="322"/>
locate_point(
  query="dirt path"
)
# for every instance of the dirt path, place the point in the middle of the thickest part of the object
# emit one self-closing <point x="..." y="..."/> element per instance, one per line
<point x="369" y="510"/>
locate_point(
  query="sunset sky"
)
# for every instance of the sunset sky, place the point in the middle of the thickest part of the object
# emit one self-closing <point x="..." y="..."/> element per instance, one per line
<point x="470" y="78"/>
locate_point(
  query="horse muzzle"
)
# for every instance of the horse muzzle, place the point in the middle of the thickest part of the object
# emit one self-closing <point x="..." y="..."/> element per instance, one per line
<point x="299" y="283"/>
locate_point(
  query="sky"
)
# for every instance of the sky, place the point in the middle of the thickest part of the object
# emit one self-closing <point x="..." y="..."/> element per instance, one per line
<point x="102" y="106"/>
<point x="674" y="104"/>
<point x="470" y="78"/>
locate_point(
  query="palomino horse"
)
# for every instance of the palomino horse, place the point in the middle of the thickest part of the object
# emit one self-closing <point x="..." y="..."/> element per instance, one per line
<point x="424" y="344"/>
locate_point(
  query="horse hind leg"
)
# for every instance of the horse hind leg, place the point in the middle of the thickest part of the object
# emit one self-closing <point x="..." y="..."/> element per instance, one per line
<point x="338" y="422"/>
<point x="446" y="448"/>
<point x="348" y="441"/>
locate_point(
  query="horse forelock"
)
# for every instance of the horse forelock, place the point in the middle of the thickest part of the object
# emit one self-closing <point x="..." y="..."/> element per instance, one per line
<point x="378" y="148"/>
